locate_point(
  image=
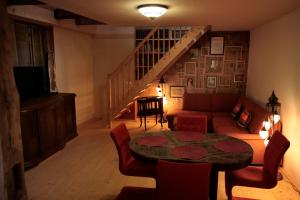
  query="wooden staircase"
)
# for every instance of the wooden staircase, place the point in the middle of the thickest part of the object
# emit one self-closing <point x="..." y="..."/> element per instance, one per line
<point x="146" y="63"/>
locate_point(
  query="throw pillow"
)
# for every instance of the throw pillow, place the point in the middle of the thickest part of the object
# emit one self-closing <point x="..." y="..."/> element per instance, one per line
<point x="237" y="110"/>
<point x="244" y="119"/>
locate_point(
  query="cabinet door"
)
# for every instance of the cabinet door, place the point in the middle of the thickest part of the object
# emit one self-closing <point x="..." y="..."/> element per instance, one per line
<point x="47" y="130"/>
<point x="61" y="133"/>
<point x="29" y="131"/>
<point x="70" y="116"/>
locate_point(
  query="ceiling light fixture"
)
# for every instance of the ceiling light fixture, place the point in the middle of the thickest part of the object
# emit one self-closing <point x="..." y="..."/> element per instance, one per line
<point x="152" y="10"/>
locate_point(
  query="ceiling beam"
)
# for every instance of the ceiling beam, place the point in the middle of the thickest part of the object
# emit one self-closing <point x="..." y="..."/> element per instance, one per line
<point x="23" y="2"/>
<point x="87" y="21"/>
<point x="79" y="20"/>
<point x="63" y="14"/>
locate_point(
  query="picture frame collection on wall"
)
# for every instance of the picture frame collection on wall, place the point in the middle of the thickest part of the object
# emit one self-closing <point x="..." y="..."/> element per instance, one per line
<point x="213" y="67"/>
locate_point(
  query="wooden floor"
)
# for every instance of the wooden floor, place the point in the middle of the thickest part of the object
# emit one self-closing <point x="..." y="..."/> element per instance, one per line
<point x="87" y="169"/>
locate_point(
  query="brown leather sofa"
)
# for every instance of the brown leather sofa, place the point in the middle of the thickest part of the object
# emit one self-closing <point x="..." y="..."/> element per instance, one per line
<point x="218" y="108"/>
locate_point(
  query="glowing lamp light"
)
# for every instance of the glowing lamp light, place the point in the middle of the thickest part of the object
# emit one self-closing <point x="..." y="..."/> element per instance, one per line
<point x="158" y="91"/>
<point x="263" y="134"/>
<point x="165" y="101"/>
<point x="267" y="125"/>
<point x="152" y="10"/>
<point x="266" y="141"/>
<point x="276" y="118"/>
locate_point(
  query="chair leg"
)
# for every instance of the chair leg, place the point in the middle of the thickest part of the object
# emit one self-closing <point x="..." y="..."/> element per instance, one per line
<point x="228" y="186"/>
<point x="141" y="121"/>
<point x="145" y="122"/>
<point x="161" y="120"/>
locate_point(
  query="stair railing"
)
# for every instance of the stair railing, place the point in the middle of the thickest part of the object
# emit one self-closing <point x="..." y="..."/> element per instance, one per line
<point x="127" y="80"/>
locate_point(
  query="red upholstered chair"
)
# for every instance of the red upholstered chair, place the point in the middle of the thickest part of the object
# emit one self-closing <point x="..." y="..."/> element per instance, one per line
<point x="192" y="123"/>
<point x="178" y="181"/>
<point x="174" y="181"/>
<point x="137" y="193"/>
<point x="128" y="165"/>
<point x="260" y="177"/>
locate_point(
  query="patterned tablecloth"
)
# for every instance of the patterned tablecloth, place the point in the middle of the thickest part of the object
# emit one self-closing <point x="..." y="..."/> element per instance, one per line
<point x="223" y="152"/>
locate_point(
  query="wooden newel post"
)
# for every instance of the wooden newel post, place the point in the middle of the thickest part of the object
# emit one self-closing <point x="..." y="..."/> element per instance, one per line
<point x="12" y="183"/>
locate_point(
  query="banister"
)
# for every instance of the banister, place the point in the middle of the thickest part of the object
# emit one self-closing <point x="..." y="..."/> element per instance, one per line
<point x="126" y="81"/>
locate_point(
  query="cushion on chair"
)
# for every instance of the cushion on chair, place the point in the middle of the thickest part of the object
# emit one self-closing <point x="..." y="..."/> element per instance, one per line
<point x="251" y="176"/>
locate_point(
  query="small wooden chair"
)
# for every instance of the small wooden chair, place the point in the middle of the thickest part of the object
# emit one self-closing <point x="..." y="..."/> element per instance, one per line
<point x="150" y="106"/>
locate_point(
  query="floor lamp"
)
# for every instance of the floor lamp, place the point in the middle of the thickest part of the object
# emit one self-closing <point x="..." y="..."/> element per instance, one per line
<point x="272" y="122"/>
<point x="160" y="92"/>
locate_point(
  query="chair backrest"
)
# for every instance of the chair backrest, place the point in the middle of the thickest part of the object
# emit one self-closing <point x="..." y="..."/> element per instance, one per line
<point x="178" y="181"/>
<point x="121" y="139"/>
<point x="191" y="123"/>
<point x="149" y="106"/>
<point x="274" y="152"/>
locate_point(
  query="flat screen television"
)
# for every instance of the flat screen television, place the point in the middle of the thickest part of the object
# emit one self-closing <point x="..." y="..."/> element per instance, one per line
<point x="32" y="82"/>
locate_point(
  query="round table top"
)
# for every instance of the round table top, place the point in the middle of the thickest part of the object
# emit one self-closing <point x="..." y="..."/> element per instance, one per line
<point x="224" y="152"/>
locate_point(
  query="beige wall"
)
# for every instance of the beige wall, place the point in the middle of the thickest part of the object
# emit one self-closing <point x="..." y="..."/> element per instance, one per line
<point x="109" y="52"/>
<point x="274" y="64"/>
<point x="74" y="69"/>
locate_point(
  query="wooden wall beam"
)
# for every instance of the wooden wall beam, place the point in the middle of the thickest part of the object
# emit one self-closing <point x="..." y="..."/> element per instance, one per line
<point x="63" y="14"/>
<point x="87" y="21"/>
<point x="23" y="2"/>
<point x="12" y="181"/>
<point x="79" y="20"/>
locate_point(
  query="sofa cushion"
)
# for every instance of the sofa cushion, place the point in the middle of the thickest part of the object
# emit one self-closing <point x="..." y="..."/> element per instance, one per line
<point x="223" y="102"/>
<point x="237" y="110"/>
<point x="221" y="114"/>
<point x="244" y="119"/>
<point x="196" y="102"/>
<point x="225" y="126"/>
<point x="192" y="122"/>
<point x="257" y="113"/>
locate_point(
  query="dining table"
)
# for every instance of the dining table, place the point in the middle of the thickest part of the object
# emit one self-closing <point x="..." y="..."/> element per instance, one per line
<point x="223" y="152"/>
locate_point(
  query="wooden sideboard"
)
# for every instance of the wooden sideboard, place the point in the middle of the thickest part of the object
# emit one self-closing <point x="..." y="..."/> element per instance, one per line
<point x="47" y="123"/>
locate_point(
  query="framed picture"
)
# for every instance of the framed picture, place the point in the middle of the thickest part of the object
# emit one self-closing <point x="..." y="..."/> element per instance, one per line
<point x="190" y="68"/>
<point x="217" y="45"/>
<point x="179" y="67"/>
<point x="190" y="82"/>
<point x="233" y="53"/>
<point x="229" y="67"/>
<point x="240" y="67"/>
<point x="176" y="91"/>
<point x="213" y="65"/>
<point x="225" y="81"/>
<point x="211" y="82"/>
<point x="194" y="53"/>
<point x="239" y="78"/>
<point x="200" y="82"/>
<point x="204" y="51"/>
